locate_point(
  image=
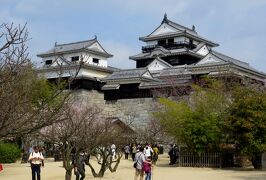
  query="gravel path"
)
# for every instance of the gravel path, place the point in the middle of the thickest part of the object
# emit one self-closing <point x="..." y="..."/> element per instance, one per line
<point x="54" y="171"/>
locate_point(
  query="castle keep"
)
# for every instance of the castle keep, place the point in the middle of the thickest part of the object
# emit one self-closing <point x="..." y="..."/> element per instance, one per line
<point x="174" y="55"/>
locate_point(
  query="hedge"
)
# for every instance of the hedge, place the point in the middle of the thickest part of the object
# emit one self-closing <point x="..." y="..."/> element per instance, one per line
<point x="9" y="153"/>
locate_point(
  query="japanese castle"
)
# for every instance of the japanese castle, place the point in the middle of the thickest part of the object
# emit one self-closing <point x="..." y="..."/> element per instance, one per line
<point x="174" y="55"/>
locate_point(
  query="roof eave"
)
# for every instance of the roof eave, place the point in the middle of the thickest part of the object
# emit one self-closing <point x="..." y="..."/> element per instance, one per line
<point x="74" y="66"/>
<point x="149" y="38"/>
<point x="42" y="55"/>
<point x="172" y="54"/>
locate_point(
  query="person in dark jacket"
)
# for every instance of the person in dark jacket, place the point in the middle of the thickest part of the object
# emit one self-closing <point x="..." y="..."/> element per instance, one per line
<point x="79" y="163"/>
<point x="171" y="154"/>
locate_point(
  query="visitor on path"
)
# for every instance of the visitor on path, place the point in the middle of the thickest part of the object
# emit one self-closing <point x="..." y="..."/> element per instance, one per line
<point x="138" y="164"/>
<point x="1" y="167"/>
<point x="113" y="150"/>
<point x="155" y="154"/>
<point x="148" y="152"/>
<point x="161" y="149"/>
<point x="147" y="168"/>
<point x="127" y="151"/>
<point x="79" y="166"/>
<point x="171" y="154"/>
<point x="176" y="153"/>
<point x="133" y="151"/>
<point x="35" y="160"/>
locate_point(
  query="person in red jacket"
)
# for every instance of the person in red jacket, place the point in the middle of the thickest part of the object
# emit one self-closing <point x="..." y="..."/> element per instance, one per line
<point x="1" y="167"/>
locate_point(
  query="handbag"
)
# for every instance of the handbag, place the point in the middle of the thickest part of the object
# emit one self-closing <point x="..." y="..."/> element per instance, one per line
<point x="135" y="163"/>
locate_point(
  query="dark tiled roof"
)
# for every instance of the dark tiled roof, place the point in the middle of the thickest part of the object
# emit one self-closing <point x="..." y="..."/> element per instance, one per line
<point x="182" y="28"/>
<point x="230" y="59"/>
<point x="199" y="46"/>
<point x="164" y="52"/>
<point x="182" y="31"/>
<point x="75" y="46"/>
<point x="126" y="74"/>
<point x="161" y="61"/>
<point x="76" y="66"/>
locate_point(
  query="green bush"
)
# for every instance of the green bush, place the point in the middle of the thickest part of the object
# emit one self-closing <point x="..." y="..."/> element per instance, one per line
<point x="9" y="153"/>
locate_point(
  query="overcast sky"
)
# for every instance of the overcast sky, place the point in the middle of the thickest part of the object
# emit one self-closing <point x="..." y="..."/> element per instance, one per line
<point x="239" y="26"/>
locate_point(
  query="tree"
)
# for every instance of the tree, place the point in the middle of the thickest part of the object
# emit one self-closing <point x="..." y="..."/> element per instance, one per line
<point x="197" y="121"/>
<point x="75" y="132"/>
<point x="28" y="102"/>
<point x="109" y="133"/>
<point x="246" y="124"/>
<point x="152" y="133"/>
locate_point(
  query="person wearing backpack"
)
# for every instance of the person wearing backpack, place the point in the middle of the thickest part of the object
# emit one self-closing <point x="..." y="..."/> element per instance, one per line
<point x="36" y="159"/>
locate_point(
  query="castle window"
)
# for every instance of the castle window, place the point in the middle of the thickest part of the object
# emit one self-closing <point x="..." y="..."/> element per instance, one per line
<point x="48" y="62"/>
<point x="162" y="42"/>
<point x="170" y="41"/>
<point x="75" y="58"/>
<point x="95" y="60"/>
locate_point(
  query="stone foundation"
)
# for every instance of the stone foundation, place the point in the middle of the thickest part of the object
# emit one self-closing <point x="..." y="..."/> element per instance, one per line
<point x="136" y="112"/>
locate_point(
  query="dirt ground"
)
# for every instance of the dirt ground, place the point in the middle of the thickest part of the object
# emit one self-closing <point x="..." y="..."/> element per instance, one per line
<point x="55" y="171"/>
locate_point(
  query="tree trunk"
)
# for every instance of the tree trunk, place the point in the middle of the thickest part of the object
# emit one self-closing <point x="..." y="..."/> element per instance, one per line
<point x="120" y="155"/>
<point x="104" y="166"/>
<point x="99" y="174"/>
<point x="68" y="174"/>
<point x="67" y="163"/>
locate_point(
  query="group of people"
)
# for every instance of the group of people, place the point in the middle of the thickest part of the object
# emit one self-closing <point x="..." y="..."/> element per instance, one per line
<point x="143" y="160"/>
<point x="143" y="157"/>
<point x="153" y="150"/>
<point x="173" y="154"/>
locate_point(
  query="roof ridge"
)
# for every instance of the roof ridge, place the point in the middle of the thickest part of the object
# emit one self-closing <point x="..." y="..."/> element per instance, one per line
<point x="164" y="62"/>
<point x="230" y="57"/>
<point x="213" y="53"/>
<point x="77" y="42"/>
<point x="132" y="69"/>
<point x="186" y="28"/>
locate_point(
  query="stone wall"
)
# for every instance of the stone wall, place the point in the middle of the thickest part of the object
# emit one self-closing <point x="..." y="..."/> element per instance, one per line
<point x="137" y="111"/>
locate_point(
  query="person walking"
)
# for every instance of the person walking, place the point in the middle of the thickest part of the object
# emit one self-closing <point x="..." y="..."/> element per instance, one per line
<point x="147" y="168"/>
<point x="35" y="160"/>
<point x="127" y="151"/>
<point x="155" y="154"/>
<point x="133" y="152"/>
<point x="79" y="166"/>
<point x="113" y="150"/>
<point x="171" y="154"/>
<point x="148" y="152"/>
<point x="176" y="153"/>
<point x="138" y="164"/>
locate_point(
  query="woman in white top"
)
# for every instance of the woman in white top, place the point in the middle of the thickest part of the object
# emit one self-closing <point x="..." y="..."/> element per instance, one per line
<point x="148" y="151"/>
<point x="35" y="160"/>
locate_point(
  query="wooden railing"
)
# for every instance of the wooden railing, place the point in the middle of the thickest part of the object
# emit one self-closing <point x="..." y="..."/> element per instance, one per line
<point x="188" y="159"/>
<point x="174" y="45"/>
